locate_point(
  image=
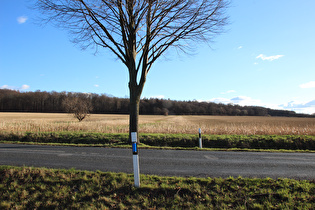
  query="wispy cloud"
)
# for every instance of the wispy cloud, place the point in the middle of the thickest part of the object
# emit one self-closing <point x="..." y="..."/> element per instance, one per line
<point x="240" y="47"/>
<point x="246" y="101"/>
<point x="96" y="85"/>
<point x="229" y="91"/>
<point x="23" y="87"/>
<point x="240" y="100"/>
<point x="5" y="87"/>
<point x="22" y="19"/>
<point x="218" y="100"/>
<point x="298" y="107"/>
<point x="269" y="58"/>
<point x="310" y="84"/>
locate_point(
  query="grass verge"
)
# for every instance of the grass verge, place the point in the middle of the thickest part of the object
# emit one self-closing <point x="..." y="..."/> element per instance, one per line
<point x="34" y="188"/>
<point x="169" y="141"/>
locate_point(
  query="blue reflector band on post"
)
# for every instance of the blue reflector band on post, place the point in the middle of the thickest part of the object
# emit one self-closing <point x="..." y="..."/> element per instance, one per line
<point x="134" y="148"/>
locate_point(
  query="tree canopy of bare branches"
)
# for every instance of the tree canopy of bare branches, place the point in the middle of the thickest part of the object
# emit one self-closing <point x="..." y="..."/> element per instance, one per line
<point x="79" y="105"/>
<point x="138" y="32"/>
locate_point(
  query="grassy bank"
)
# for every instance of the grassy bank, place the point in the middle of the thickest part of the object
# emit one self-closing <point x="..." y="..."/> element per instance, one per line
<point x="285" y="142"/>
<point x="32" y="188"/>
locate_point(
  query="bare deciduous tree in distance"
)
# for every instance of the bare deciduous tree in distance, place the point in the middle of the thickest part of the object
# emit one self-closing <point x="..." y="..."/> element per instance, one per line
<point x="78" y="106"/>
<point x="138" y="32"/>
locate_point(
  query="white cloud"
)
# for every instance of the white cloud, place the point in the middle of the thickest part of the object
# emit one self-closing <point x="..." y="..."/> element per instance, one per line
<point x="240" y="100"/>
<point x="96" y="85"/>
<point x="246" y="101"/>
<point x="5" y="87"/>
<point x="310" y="84"/>
<point x="297" y="106"/>
<point x="240" y="47"/>
<point x="300" y="107"/>
<point x="269" y="58"/>
<point x="229" y="91"/>
<point x="219" y="100"/>
<point x="23" y="87"/>
<point x="22" y="19"/>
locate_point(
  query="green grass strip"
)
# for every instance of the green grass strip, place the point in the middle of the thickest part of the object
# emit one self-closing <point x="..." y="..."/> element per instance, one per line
<point x="40" y="188"/>
<point x="175" y="141"/>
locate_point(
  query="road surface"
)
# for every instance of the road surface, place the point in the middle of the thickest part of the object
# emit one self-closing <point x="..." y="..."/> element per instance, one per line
<point x="163" y="162"/>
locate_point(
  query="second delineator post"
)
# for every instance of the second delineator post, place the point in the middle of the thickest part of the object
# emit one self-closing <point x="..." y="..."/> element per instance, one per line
<point x="200" y="139"/>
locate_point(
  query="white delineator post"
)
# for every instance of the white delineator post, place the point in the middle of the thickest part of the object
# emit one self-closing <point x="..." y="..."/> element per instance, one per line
<point x="136" y="170"/>
<point x="200" y="140"/>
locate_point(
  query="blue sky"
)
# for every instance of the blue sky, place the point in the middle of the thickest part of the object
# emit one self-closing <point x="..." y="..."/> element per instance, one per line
<point x="266" y="58"/>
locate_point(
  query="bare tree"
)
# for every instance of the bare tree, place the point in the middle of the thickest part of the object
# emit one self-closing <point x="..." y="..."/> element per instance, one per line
<point x="77" y="105"/>
<point x="138" y="32"/>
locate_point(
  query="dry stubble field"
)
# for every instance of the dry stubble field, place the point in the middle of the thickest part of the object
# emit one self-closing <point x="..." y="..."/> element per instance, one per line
<point x="242" y="125"/>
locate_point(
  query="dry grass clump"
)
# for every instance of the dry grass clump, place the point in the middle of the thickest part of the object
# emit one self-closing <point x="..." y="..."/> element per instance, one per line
<point x="38" y="122"/>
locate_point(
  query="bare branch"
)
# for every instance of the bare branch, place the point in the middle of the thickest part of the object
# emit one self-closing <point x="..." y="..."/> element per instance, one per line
<point x="138" y="32"/>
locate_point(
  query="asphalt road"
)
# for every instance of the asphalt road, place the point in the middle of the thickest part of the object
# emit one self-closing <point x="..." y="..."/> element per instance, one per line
<point x="163" y="162"/>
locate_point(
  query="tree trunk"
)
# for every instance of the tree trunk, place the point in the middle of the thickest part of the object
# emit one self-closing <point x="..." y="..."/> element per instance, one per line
<point x="135" y="93"/>
<point x="134" y="113"/>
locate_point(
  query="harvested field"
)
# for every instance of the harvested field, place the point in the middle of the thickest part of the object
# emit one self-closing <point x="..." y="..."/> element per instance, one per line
<point x="241" y="125"/>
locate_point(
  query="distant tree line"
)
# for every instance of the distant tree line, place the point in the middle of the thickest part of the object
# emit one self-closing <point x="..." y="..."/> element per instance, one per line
<point x="55" y="102"/>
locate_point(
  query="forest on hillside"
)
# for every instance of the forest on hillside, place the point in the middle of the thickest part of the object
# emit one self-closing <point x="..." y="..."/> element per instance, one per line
<point x="53" y="102"/>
